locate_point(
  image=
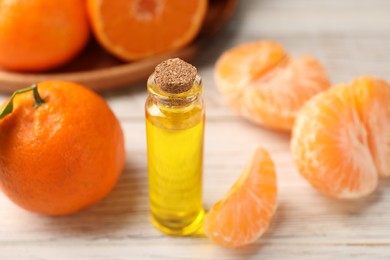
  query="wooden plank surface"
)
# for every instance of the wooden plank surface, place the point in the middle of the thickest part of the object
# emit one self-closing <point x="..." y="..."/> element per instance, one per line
<point x="351" y="38"/>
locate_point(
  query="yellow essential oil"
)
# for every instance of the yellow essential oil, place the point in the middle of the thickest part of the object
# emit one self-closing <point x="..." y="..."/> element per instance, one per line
<point x="174" y="129"/>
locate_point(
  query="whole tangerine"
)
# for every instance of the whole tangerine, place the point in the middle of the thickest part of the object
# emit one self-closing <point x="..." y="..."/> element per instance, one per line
<point x="38" y="35"/>
<point x="62" y="148"/>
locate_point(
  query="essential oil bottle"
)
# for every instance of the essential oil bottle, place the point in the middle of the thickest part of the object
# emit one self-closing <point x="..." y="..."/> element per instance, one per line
<point x="175" y="117"/>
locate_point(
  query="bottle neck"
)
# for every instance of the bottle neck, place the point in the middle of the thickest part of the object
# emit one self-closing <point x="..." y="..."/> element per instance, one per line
<point x="174" y="100"/>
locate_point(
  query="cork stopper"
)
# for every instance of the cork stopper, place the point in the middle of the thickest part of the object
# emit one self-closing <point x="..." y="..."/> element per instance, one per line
<point x="175" y="76"/>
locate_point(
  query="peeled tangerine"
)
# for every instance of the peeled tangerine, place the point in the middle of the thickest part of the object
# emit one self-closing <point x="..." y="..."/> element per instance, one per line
<point x="245" y="212"/>
<point x="265" y="85"/>
<point x="341" y="138"/>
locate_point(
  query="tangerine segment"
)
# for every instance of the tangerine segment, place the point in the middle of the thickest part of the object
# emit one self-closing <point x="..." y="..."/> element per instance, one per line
<point x="341" y="137"/>
<point x="373" y="97"/>
<point x="134" y="29"/>
<point x="266" y="86"/>
<point x="245" y="212"/>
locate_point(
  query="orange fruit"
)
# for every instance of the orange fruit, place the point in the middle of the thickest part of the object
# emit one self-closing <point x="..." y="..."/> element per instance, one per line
<point x="266" y="86"/>
<point x="341" y="138"/>
<point x="38" y="35"/>
<point x="245" y="212"/>
<point x="62" y="156"/>
<point x="134" y="29"/>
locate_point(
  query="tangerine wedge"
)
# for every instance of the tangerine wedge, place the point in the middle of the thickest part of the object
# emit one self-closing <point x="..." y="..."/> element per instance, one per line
<point x="245" y="212"/>
<point x="135" y="29"/>
<point x="267" y="86"/>
<point x="341" y="138"/>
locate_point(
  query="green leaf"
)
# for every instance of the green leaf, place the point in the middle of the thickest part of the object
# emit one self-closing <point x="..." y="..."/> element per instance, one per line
<point x="7" y="109"/>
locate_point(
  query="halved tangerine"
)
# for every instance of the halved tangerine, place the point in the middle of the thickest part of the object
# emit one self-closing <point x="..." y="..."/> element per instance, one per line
<point x="341" y="138"/>
<point x="266" y="86"/>
<point x="134" y="29"/>
<point x="245" y="212"/>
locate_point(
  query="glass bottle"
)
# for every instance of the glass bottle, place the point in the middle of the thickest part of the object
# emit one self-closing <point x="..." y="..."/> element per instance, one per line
<point x="174" y="130"/>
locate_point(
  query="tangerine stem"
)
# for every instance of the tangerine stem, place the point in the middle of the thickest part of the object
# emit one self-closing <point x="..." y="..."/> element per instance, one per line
<point x="38" y="101"/>
<point x="8" y="108"/>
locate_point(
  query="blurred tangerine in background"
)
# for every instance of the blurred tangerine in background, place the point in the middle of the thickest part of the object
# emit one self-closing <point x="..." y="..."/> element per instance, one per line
<point x="38" y="35"/>
<point x="130" y="38"/>
<point x="136" y="29"/>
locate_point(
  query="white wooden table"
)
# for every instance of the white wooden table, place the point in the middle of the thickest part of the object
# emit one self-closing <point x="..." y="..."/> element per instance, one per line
<point x="351" y="38"/>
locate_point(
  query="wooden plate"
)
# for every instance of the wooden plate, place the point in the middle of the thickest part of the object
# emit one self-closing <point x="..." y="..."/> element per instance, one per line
<point x="98" y="70"/>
